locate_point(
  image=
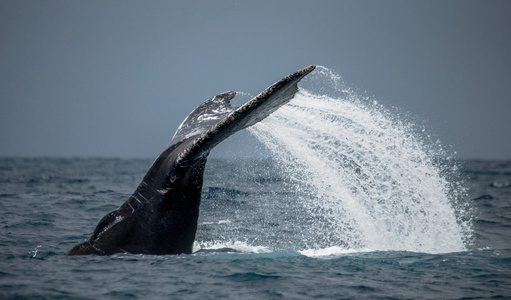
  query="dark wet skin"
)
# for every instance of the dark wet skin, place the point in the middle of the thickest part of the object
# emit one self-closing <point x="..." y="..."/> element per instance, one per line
<point x="161" y="215"/>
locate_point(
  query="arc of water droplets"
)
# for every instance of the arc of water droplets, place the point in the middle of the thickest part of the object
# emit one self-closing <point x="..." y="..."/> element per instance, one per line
<point x="362" y="174"/>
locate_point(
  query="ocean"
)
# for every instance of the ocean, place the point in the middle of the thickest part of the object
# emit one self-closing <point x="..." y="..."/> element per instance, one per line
<point x="340" y="198"/>
<point x="248" y="244"/>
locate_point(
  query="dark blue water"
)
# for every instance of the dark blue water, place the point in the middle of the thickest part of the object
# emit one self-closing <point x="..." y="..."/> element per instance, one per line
<point x="250" y="242"/>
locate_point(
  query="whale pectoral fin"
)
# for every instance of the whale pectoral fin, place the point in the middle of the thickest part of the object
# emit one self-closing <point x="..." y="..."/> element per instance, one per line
<point x="247" y="115"/>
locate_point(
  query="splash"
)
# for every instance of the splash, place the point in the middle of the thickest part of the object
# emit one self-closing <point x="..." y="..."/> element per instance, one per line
<point x="364" y="176"/>
<point x="36" y="251"/>
<point x="230" y="246"/>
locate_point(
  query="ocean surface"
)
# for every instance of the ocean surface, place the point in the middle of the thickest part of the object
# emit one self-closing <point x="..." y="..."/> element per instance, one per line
<point x="340" y="199"/>
<point x="249" y="241"/>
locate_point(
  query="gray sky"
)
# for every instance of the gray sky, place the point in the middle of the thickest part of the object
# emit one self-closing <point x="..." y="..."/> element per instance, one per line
<point x="116" y="78"/>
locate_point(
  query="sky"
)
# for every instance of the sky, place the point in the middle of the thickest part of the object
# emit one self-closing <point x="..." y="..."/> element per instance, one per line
<point x="116" y="78"/>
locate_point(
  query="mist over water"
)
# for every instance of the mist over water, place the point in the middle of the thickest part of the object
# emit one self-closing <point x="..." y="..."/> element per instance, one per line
<point x="365" y="178"/>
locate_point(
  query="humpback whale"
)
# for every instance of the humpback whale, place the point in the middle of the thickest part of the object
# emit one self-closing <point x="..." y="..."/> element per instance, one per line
<point x="161" y="215"/>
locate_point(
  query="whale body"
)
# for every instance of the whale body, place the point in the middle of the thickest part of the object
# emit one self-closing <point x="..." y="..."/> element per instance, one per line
<point x="161" y="216"/>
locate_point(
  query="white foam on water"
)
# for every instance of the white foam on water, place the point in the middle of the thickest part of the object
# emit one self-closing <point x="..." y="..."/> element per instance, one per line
<point x="334" y="251"/>
<point x="364" y="175"/>
<point x="221" y="222"/>
<point x="241" y="246"/>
